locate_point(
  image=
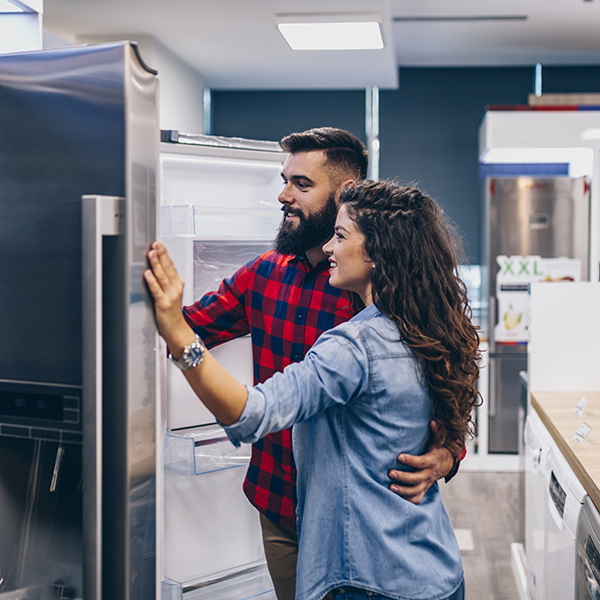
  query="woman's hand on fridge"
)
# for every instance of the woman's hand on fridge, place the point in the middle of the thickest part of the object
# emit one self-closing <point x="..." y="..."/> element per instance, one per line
<point x="166" y="287"/>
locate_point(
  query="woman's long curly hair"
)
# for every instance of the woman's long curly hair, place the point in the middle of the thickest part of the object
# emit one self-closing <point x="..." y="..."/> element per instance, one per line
<point x="415" y="283"/>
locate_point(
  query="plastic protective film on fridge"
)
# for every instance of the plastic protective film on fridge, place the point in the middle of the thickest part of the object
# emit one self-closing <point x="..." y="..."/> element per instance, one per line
<point x="78" y="367"/>
<point x="219" y="210"/>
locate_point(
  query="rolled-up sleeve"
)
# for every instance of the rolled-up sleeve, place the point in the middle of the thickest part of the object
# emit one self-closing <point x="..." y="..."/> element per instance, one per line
<point x="334" y="371"/>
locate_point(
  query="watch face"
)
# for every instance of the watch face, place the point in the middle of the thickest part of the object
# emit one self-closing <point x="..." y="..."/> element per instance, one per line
<point x="194" y="355"/>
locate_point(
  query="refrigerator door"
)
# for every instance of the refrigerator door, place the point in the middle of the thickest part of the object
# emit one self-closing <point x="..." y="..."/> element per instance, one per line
<point x="525" y="216"/>
<point x="505" y="408"/>
<point x="77" y="121"/>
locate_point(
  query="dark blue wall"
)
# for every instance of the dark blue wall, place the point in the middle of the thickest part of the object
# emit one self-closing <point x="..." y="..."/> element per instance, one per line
<point x="428" y="126"/>
<point x="273" y="115"/>
<point x="429" y="135"/>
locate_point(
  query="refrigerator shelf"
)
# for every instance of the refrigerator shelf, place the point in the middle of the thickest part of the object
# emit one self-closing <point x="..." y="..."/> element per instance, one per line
<point x="215" y="221"/>
<point x="202" y="450"/>
<point x="242" y="583"/>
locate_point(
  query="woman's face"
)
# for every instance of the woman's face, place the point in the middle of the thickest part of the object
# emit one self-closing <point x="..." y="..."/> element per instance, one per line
<point x="350" y="267"/>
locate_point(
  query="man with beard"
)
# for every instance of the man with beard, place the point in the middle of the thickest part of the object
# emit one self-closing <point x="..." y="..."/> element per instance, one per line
<point x="284" y="300"/>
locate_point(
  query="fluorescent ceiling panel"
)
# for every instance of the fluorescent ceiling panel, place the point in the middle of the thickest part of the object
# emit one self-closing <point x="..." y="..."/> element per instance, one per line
<point x="332" y="36"/>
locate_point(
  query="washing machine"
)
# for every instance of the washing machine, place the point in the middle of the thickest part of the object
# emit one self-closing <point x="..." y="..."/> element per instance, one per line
<point x="565" y="498"/>
<point x="587" y="583"/>
<point x="537" y="442"/>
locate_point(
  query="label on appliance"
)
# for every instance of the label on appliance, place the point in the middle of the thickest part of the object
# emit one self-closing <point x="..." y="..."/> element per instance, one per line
<point x="513" y="280"/>
<point x="581" y="406"/>
<point x="582" y="433"/>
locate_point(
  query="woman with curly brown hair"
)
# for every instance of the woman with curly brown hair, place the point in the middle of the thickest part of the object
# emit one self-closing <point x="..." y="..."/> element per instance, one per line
<point x="364" y="393"/>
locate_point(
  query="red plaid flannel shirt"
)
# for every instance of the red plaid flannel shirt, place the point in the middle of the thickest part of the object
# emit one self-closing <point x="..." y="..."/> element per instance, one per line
<point x="285" y="305"/>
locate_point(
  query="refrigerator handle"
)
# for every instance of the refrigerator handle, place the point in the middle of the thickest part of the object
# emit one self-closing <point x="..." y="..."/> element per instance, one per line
<point x="101" y="216"/>
<point x="492" y="380"/>
<point x="492" y="320"/>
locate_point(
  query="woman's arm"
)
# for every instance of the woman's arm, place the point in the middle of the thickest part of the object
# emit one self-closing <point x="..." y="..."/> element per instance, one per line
<point x="221" y="393"/>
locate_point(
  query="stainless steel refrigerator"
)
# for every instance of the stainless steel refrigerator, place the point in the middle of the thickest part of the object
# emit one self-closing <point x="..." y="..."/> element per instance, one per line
<point x="524" y="216"/>
<point x="78" y="361"/>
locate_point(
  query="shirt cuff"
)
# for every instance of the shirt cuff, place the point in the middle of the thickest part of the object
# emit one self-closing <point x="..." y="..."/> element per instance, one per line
<point x="252" y="415"/>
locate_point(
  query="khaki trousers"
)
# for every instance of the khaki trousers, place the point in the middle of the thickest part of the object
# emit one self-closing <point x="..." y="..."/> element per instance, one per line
<point x="281" y="551"/>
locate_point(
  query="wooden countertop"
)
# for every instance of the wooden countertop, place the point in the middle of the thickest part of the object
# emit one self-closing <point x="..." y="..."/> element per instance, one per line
<point x="556" y="410"/>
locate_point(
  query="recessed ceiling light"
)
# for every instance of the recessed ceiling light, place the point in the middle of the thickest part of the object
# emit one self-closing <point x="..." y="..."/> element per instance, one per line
<point x="363" y="35"/>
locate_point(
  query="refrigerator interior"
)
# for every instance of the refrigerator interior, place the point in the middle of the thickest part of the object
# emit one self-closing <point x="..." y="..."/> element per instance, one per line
<point x="219" y="210"/>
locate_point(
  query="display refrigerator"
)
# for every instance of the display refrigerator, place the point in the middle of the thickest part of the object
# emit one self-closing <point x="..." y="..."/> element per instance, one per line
<point x="115" y="482"/>
<point x="535" y="229"/>
<point x="219" y="210"/>
<point x="79" y="143"/>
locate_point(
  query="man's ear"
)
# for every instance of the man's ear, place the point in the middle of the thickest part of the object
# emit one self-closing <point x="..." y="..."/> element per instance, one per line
<point x="345" y="185"/>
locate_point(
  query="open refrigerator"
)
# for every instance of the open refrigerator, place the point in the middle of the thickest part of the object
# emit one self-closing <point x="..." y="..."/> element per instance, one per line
<point x="114" y="481"/>
<point x="219" y="210"/>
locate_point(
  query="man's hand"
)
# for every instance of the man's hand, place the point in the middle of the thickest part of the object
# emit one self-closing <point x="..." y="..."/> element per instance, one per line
<point x="431" y="466"/>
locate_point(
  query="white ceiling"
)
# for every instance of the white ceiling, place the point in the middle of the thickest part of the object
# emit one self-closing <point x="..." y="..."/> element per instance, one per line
<point x="235" y="44"/>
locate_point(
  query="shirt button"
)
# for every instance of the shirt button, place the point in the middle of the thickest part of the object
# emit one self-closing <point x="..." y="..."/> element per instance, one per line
<point x="299" y="317"/>
<point x="296" y="358"/>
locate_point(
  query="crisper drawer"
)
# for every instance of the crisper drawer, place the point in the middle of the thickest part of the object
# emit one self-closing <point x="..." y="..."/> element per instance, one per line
<point x="210" y="527"/>
<point x="253" y="581"/>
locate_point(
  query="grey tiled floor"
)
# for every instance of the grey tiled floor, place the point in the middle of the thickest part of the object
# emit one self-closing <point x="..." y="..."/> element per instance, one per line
<point x="488" y="505"/>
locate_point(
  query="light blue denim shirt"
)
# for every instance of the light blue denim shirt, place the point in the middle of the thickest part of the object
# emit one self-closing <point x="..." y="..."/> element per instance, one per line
<point x="356" y="401"/>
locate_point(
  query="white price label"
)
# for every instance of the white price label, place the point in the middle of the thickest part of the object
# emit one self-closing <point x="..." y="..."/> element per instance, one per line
<point x="581" y="406"/>
<point x="582" y="433"/>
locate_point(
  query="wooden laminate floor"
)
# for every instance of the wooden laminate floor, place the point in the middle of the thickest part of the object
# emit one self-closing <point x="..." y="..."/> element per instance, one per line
<point x="486" y="513"/>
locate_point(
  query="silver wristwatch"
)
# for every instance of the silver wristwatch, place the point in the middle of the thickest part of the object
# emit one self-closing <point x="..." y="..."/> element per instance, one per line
<point x="192" y="355"/>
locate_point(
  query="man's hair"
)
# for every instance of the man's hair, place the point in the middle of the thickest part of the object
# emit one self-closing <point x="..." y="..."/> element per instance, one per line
<point x="415" y="283"/>
<point x="343" y="151"/>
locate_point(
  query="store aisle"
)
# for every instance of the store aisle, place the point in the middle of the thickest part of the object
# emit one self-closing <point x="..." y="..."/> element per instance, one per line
<point x="484" y="510"/>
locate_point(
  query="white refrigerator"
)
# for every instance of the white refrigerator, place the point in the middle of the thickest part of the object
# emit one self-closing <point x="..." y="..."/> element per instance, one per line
<point x="218" y="210"/>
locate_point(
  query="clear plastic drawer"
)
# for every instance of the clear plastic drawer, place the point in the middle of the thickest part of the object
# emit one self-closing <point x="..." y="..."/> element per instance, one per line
<point x="246" y="582"/>
<point x="203" y="450"/>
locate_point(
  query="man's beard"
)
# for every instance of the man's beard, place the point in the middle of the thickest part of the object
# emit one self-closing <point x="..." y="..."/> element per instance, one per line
<point x="312" y="231"/>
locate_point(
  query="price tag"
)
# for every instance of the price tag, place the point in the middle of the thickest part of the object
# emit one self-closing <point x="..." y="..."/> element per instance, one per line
<point x="581" y="406"/>
<point x="582" y="433"/>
